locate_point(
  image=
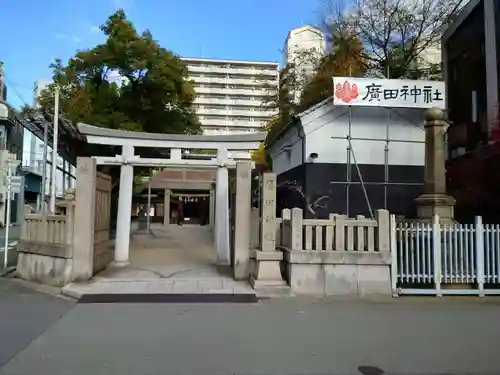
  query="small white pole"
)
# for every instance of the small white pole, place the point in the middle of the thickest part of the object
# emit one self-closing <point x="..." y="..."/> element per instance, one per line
<point x="7" y="219"/>
<point x="54" y="151"/>
<point x="148" y="218"/>
<point x="479" y="246"/>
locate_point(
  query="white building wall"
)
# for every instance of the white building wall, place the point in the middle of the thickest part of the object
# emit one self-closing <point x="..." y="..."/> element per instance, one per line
<point x="287" y="152"/>
<point x="326" y="129"/>
<point x="230" y="94"/>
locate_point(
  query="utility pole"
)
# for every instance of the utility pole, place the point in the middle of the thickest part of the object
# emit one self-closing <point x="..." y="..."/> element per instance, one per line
<point x="33" y="137"/>
<point x="1" y="82"/>
<point x="54" y="151"/>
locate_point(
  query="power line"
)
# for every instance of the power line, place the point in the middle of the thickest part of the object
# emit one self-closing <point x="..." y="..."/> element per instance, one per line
<point x="16" y="91"/>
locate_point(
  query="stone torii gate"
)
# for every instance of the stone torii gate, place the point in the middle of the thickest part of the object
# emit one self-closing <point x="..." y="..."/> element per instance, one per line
<point x="127" y="160"/>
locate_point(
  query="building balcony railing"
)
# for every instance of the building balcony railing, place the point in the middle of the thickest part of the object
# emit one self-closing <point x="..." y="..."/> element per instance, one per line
<point x="224" y="91"/>
<point x="233" y="112"/>
<point x="233" y="81"/>
<point x="273" y="74"/>
<point x="237" y="102"/>
<point x="225" y="123"/>
<point x="229" y="130"/>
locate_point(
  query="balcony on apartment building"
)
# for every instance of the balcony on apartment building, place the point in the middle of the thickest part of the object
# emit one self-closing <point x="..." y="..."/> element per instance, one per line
<point x="219" y="121"/>
<point x="232" y="80"/>
<point x="252" y="92"/>
<point x="243" y="101"/>
<point x="235" y="111"/>
<point x="272" y="73"/>
<point x="229" y="130"/>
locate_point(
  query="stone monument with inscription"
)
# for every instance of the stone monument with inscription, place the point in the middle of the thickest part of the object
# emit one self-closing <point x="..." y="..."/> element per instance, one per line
<point x="435" y="200"/>
<point x="265" y="262"/>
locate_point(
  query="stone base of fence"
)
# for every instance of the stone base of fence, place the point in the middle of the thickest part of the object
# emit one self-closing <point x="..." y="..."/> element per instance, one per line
<point x="265" y="273"/>
<point x="332" y="273"/>
<point x="44" y="268"/>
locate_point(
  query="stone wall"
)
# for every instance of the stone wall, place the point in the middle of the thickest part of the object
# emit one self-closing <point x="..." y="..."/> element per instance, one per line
<point x="337" y="256"/>
<point x="45" y="251"/>
<point x="74" y="244"/>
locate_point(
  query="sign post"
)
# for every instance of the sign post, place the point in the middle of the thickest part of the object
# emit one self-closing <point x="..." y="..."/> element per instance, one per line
<point x="11" y="165"/>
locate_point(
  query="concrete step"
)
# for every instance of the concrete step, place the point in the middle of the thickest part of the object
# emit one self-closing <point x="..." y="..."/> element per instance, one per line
<point x="161" y="290"/>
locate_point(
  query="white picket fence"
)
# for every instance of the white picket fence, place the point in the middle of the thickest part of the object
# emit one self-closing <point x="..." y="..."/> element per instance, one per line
<point x="434" y="258"/>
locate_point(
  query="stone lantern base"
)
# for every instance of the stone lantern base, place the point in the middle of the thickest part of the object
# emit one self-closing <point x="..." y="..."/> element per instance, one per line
<point x="429" y="205"/>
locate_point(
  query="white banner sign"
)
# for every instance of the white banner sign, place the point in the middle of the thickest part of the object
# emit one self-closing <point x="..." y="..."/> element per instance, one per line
<point x="392" y="93"/>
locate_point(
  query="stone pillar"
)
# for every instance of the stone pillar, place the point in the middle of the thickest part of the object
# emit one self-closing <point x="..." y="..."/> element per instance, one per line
<point x="434" y="200"/>
<point x="83" y="244"/>
<point x="265" y="262"/>
<point x="242" y="224"/>
<point x="268" y="218"/>
<point x="211" y="209"/>
<point x="125" y="192"/>
<point x="166" y="208"/>
<point x="222" y="211"/>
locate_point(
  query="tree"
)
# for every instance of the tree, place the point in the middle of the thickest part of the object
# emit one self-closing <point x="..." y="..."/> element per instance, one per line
<point x="394" y="33"/>
<point x="292" y="78"/>
<point x="345" y="59"/>
<point x="281" y="101"/>
<point x="128" y="82"/>
<point x="260" y="156"/>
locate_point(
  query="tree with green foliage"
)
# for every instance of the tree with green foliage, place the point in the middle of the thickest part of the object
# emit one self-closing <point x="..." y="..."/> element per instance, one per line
<point x="345" y="59"/>
<point x="293" y="77"/>
<point x="128" y="82"/>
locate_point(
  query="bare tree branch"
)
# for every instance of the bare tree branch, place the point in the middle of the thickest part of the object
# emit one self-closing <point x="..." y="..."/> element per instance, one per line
<point x="394" y="33"/>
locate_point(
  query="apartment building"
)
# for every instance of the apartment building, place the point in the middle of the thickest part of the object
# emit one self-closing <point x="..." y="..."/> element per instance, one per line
<point x="230" y="93"/>
<point x="304" y="47"/>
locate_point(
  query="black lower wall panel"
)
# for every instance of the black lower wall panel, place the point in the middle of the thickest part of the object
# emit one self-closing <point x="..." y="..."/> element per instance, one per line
<point x="321" y="189"/>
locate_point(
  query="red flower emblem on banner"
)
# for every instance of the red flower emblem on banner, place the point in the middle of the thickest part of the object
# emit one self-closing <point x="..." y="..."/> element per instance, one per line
<point x="346" y="92"/>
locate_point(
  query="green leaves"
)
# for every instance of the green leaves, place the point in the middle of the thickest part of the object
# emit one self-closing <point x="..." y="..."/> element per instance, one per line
<point x="128" y="82"/>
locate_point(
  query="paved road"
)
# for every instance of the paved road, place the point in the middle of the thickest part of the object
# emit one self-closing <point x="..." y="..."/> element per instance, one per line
<point x="14" y="234"/>
<point x="271" y="337"/>
<point x="24" y="315"/>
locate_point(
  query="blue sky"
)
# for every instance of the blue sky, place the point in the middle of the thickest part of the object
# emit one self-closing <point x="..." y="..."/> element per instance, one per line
<point x="36" y="32"/>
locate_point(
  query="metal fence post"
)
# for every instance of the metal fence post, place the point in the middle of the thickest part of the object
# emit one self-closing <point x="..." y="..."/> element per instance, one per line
<point x="436" y="245"/>
<point x="394" y="256"/>
<point x="479" y="246"/>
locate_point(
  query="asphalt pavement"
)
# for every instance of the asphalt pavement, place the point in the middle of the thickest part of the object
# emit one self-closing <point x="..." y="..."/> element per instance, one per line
<point x="14" y="237"/>
<point x="280" y="336"/>
<point x="14" y="233"/>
